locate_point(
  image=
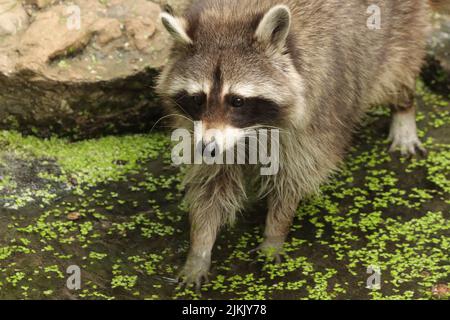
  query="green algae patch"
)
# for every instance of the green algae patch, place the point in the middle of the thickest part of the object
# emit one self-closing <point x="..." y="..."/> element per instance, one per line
<point x="55" y="164"/>
<point x="92" y="161"/>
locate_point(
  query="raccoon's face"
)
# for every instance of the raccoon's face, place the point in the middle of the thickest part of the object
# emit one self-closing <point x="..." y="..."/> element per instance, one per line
<point x="230" y="70"/>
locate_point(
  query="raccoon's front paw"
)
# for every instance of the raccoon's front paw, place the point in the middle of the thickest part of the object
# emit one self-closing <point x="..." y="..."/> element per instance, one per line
<point x="272" y="249"/>
<point x="195" y="272"/>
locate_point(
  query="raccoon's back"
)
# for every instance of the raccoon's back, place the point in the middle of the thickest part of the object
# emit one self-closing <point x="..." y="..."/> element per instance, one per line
<point x="346" y="58"/>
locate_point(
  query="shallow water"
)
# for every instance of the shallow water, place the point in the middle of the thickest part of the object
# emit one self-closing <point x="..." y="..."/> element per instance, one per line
<point x="131" y="237"/>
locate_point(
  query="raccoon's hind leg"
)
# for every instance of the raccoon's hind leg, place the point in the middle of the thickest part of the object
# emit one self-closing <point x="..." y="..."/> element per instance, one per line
<point x="403" y="131"/>
<point x="212" y="203"/>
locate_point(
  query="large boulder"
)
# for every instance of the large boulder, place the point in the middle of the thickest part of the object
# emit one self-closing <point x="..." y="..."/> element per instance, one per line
<point x="80" y="67"/>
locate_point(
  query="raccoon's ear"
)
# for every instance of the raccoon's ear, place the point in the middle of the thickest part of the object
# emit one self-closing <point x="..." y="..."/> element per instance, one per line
<point x="176" y="26"/>
<point x="274" y="27"/>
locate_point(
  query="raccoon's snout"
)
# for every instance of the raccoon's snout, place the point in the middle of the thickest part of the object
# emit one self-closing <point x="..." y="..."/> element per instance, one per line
<point x="220" y="137"/>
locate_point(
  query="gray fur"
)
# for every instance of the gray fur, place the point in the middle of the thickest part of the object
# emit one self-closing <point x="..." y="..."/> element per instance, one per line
<point x="328" y="71"/>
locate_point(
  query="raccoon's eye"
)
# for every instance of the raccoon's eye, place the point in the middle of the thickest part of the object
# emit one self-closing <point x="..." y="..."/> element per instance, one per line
<point x="237" y="102"/>
<point x="199" y="99"/>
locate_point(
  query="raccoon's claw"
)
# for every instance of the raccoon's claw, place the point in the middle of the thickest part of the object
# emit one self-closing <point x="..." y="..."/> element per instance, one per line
<point x="194" y="273"/>
<point x="408" y="147"/>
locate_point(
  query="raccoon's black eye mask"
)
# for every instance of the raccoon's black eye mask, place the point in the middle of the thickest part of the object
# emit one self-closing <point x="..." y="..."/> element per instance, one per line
<point x="241" y="112"/>
<point x="252" y="111"/>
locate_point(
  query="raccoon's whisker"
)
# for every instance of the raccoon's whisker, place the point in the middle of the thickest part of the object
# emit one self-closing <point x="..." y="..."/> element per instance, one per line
<point x="279" y="129"/>
<point x="184" y="117"/>
<point x="175" y="128"/>
<point x="262" y="126"/>
<point x="256" y="127"/>
<point x="168" y="116"/>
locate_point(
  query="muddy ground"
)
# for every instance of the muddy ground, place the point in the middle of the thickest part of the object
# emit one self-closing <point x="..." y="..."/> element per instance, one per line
<point x="113" y="207"/>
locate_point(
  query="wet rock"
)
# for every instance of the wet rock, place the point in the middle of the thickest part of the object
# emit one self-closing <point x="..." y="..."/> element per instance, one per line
<point x="108" y="30"/>
<point x="81" y="67"/>
<point x="13" y="17"/>
<point x="52" y="29"/>
<point x="140" y="31"/>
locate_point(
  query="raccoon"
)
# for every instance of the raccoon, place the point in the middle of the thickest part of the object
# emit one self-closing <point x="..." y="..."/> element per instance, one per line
<point x="310" y="68"/>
